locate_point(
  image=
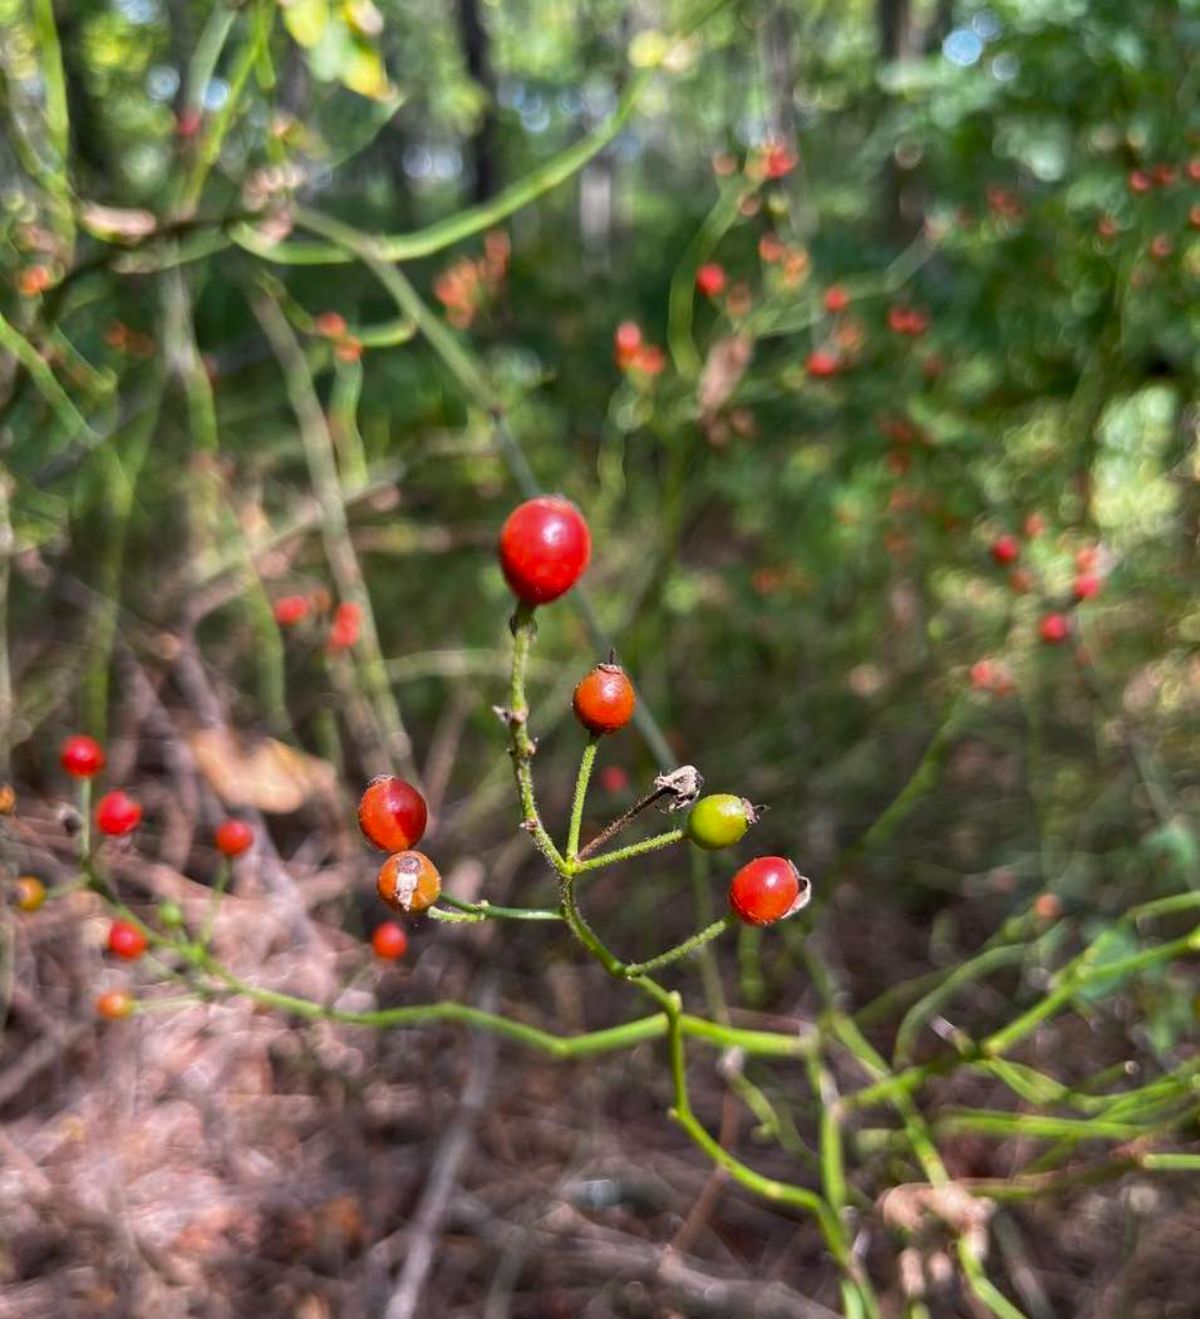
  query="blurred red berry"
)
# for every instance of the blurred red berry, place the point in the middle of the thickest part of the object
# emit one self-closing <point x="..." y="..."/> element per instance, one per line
<point x="771" y="249"/>
<point x="290" y="610"/>
<point x="330" y="324"/>
<point x="233" y="837"/>
<point x="346" y="625"/>
<point x="777" y="161"/>
<point x="1054" y="629"/>
<point x="114" y="1004"/>
<point x="1020" y="581"/>
<point x="627" y="339"/>
<point x="1035" y="524"/>
<point x="126" y="941"/>
<point x="710" y="279"/>
<point x="1161" y="246"/>
<point x="389" y="942"/>
<point x="82" y="756"/>
<point x="544" y="549"/>
<point x="1006" y="550"/>
<point x="822" y="364"/>
<point x="836" y="299"/>
<point x="117" y="814"/>
<point x="650" y="360"/>
<point x="1164" y="175"/>
<point x="1139" y="181"/>
<point x="614" y="779"/>
<point x="188" y="122"/>
<point x="1086" y="585"/>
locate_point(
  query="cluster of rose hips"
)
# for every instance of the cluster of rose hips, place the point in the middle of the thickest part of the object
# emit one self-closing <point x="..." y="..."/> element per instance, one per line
<point x="345" y="629"/>
<point x="544" y="548"/>
<point x="465" y="287"/>
<point x="332" y="325"/>
<point x="631" y="352"/>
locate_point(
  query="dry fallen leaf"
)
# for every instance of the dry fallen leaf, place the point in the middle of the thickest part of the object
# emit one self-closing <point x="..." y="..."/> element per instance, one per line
<point x="267" y="775"/>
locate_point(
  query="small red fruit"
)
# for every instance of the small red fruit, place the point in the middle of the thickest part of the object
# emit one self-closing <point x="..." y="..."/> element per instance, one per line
<point x="604" y="699"/>
<point x="1164" y="175"/>
<point x="126" y="941"/>
<point x="392" y="814"/>
<point x="82" y="756"/>
<point x="777" y="161"/>
<point x="544" y="548"/>
<point x="614" y="779"/>
<point x="1006" y="550"/>
<point x="389" y="942"/>
<point x="30" y="893"/>
<point x="1139" y="181"/>
<point x="710" y="279"/>
<point x="117" y="814"/>
<point x="187" y="123"/>
<point x="346" y="625"/>
<point x="330" y="324"/>
<point x="822" y="364"/>
<point x="649" y="360"/>
<point x="627" y="339"/>
<point x="1087" y="585"/>
<point x="771" y="249"/>
<point x="409" y="882"/>
<point x="290" y="610"/>
<point x="114" y="1004"/>
<point x="1193" y="170"/>
<point x="1035" y="524"/>
<point x="767" y="889"/>
<point x="836" y="299"/>
<point x="905" y="320"/>
<point x="233" y="837"/>
<point x="1106" y="227"/>
<point x="1161" y="246"/>
<point x="1054" y="629"/>
<point x="1194" y="216"/>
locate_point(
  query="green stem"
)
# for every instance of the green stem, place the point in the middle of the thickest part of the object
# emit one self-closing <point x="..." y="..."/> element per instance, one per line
<point x="685" y="949"/>
<point x="625" y="853"/>
<point x="489" y="911"/>
<point x="587" y="760"/>
<point x="521" y="745"/>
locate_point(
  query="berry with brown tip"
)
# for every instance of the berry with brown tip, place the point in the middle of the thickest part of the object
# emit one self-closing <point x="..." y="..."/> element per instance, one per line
<point x="114" y="1004"/>
<point x="604" y="699"/>
<point x="409" y="882"/>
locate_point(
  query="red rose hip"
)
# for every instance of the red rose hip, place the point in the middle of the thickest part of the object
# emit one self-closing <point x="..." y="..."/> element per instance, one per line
<point x="1054" y="629"/>
<point x="1006" y="550"/>
<point x="409" y="882"/>
<point x="126" y="941"/>
<point x="545" y="546"/>
<point x="389" y="942"/>
<point x="82" y="756"/>
<point x="117" y="814"/>
<point x="392" y="814"/>
<point x="710" y="279"/>
<point x="604" y="699"/>
<point x="114" y="1005"/>
<point x="233" y="837"/>
<point x="767" y="889"/>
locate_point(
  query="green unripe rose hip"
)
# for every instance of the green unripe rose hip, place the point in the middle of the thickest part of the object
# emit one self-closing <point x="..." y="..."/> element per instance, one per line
<point x="719" y="820"/>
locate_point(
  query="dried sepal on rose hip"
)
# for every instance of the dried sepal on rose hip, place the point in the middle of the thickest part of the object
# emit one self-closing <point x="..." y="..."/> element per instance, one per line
<point x="768" y="889"/>
<point x="545" y="545"/>
<point x="409" y="882"/>
<point x="392" y="814"/>
<point x="720" y="820"/>
<point x="604" y="699"/>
